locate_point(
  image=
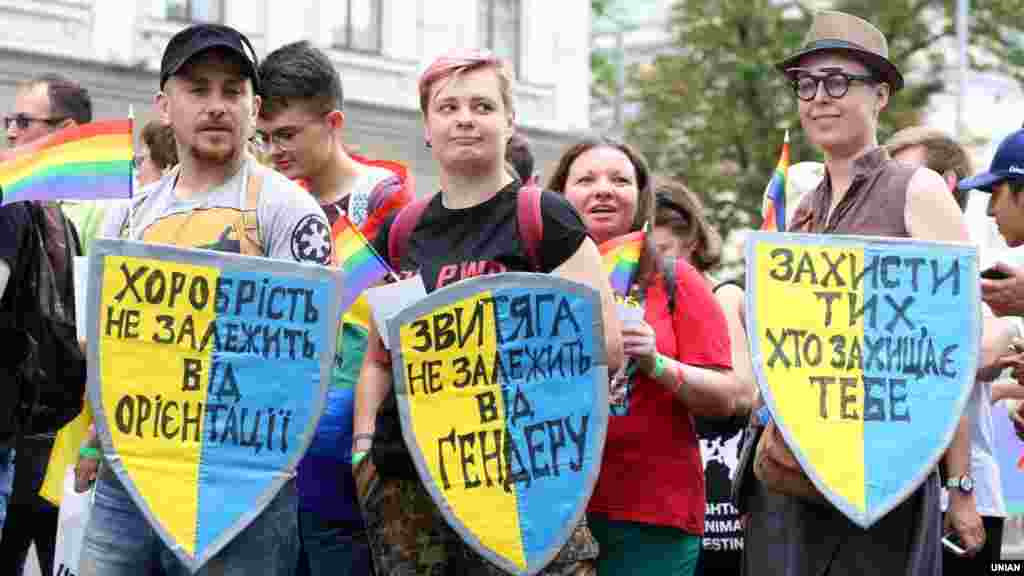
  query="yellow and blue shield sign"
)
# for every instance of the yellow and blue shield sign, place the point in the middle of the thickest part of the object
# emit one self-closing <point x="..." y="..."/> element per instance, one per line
<point x="865" y="351"/>
<point x="208" y="372"/>
<point x="502" y="387"/>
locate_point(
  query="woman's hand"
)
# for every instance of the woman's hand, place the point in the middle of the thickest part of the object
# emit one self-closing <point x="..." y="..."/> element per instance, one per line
<point x="638" y="342"/>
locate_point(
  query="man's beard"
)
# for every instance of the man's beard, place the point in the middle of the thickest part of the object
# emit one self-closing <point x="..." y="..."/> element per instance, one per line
<point x="219" y="155"/>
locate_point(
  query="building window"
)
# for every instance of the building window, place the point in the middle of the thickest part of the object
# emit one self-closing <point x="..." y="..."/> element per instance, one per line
<point x="358" y="25"/>
<point x="499" y="29"/>
<point x="189" y="10"/>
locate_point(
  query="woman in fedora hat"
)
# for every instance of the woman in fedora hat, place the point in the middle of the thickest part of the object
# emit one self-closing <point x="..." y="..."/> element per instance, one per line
<point x="843" y="79"/>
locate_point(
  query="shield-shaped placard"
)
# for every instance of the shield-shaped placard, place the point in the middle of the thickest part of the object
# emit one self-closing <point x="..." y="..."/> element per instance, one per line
<point x="502" y="387"/>
<point x="207" y="375"/>
<point x="865" y="350"/>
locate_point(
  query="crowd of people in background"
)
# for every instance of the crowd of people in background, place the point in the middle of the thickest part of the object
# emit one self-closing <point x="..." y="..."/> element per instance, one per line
<point x="244" y="153"/>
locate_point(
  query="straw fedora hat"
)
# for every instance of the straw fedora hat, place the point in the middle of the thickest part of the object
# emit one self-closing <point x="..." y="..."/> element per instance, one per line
<point x="833" y="31"/>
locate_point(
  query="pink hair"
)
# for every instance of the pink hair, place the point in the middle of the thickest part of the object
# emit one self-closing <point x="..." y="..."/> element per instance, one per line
<point x="456" y="62"/>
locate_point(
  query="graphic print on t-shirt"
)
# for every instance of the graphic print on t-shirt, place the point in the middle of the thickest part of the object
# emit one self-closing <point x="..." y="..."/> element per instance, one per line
<point x="311" y="240"/>
<point x="211" y="229"/>
<point x="722" y="531"/>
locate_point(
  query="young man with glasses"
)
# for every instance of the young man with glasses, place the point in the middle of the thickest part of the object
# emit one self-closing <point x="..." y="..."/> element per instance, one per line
<point x="300" y="129"/>
<point x="42" y="105"/>
<point x="843" y="79"/>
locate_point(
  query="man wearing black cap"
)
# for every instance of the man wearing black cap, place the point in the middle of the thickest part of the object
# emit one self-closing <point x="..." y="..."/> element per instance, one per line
<point x="842" y="79"/>
<point x="220" y="198"/>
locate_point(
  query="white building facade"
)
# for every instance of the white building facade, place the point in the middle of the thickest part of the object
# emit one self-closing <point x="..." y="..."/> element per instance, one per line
<point x="113" y="47"/>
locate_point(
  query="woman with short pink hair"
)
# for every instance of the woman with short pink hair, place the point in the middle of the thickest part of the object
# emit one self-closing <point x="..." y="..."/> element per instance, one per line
<point x="468" y="113"/>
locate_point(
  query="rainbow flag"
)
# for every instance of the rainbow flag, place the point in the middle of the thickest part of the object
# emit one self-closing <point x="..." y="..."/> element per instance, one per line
<point x="774" y="211"/>
<point x="621" y="257"/>
<point x="358" y="261"/>
<point x="85" y="162"/>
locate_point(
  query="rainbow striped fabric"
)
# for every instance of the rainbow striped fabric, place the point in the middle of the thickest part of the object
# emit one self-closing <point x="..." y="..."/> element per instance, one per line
<point x="774" y="211"/>
<point x="621" y="257"/>
<point x="86" y="162"/>
<point x="358" y="261"/>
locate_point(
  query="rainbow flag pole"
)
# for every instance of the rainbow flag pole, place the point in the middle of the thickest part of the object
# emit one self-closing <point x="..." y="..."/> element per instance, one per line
<point x="359" y="262"/>
<point x="86" y="162"/>
<point x="774" y="210"/>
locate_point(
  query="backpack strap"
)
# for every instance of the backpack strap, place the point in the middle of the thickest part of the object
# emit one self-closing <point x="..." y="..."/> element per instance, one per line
<point x="528" y="214"/>
<point x="401" y="228"/>
<point x="531" y="224"/>
<point x="250" y="234"/>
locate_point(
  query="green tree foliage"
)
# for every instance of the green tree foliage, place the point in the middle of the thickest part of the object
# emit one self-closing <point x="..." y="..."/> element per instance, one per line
<point x="713" y="113"/>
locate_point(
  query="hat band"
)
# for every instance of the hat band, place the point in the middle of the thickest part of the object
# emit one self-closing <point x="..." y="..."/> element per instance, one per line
<point x="842" y="44"/>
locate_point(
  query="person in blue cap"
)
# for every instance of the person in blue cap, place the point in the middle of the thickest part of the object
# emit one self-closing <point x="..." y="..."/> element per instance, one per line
<point x="1004" y="181"/>
<point x="1002" y="285"/>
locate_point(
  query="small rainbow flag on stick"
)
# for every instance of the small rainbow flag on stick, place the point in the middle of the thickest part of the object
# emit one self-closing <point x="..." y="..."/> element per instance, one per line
<point x="359" y="262"/>
<point x="85" y="162"/>
<point x="774" y="211"/>
<point x="621" y="257"/>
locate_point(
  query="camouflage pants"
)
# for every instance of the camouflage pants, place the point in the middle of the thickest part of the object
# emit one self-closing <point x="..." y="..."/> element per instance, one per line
<point x="409" y="536"/>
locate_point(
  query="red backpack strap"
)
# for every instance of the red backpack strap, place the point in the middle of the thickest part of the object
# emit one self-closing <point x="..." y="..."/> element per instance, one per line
<point x="402" y="227"/>
<point x="531" y="224"/>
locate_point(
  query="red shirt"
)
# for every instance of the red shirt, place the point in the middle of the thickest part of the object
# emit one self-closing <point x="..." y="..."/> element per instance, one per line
<point x="651" y="471"/>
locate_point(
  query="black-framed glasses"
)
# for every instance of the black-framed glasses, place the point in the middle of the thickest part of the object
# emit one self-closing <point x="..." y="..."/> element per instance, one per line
<point x="22" y="121"/>
<point x="836" y="82"/>
<point x="284" y="138"/>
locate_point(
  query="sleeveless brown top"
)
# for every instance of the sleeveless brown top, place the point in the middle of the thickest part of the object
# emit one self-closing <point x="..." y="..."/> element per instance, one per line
<point x="787" y="536"/>
<point x="873" y="206"/>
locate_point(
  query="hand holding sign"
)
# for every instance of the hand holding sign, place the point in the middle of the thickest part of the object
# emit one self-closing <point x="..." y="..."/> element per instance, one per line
<point x="502" y="387"/>
<point x="210" y="369"/>
<point x="865" y="350"/>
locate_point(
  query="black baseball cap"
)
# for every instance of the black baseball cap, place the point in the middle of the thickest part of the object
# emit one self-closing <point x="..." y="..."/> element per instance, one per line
<point x="1007" y="164"/>
<point x="201" y="37"/>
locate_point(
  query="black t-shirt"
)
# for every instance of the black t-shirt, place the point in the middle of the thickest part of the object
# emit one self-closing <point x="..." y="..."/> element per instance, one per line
<point x="450" y="245"/>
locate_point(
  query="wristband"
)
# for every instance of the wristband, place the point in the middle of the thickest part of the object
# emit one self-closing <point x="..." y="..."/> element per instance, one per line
<point x="89" y="452"/>
<point x="358" y="457"/>
<point x="362" y="436"/>
<point x="659" y="366"/>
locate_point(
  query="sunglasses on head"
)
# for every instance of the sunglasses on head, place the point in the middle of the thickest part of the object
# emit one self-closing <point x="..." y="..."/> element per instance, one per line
<point x="22" y="121"/>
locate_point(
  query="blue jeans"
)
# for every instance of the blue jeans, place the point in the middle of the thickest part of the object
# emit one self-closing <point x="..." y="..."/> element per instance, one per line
<point x="331" y="547"/>
<point x="120" y="542"/>
<point x="6" y="482"/>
